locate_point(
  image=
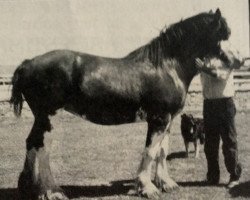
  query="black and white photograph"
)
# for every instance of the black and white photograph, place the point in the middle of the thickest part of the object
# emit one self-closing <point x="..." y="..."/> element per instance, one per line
<point x="124" y="99"/>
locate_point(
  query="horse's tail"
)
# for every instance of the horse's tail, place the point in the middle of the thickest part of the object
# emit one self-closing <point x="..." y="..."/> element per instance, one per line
<point x="16" y="95"/>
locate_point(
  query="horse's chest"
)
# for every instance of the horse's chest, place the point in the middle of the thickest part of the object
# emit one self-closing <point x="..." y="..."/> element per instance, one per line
<point x="173" y="95"/>
<point x="166" y="89"/>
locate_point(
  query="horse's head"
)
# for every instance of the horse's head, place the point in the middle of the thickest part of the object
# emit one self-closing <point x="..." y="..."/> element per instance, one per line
<point x="197" y="36"/>
<point x="212" y="29"/>
<point x="219" y="28"/>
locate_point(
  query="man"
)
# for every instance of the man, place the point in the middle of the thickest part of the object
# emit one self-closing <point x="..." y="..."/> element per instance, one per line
<point x="219" y="115"/>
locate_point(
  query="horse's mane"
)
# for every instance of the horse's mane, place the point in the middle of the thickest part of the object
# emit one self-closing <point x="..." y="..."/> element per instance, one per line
<point x="173" y="40"/>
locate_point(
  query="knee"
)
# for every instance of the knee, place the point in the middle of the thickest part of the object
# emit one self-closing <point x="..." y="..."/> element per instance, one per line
<point x="156" y="153"/>
<point x="45" y="124"/>
<point x="229" y="146"/>
<point x="162" y="154"/>
<point x="210" y="149"/>
<point x="148" y="154"/>
<point x="34" y="142"/>
<point x="158" y="122"/>
<point x="229" y="140"/>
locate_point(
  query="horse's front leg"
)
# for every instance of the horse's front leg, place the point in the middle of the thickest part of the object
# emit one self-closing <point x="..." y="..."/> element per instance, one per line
<point x="155" y="136"/>
<point x="36" y="181"/>
<point x="162" y="178"/>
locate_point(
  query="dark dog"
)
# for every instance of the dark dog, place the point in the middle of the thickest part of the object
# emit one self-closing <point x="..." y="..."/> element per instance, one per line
<point x="192" y="130"/>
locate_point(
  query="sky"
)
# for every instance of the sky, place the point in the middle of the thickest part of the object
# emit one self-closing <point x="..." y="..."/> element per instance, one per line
<point x="110" y="28"/>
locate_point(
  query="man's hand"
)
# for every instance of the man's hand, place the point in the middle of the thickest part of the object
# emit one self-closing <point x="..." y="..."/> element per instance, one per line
<point x="207" y="68"/>
<point x="199" y="63"/>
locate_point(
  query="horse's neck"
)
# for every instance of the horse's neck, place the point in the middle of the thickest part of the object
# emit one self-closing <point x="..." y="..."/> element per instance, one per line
<point x="186" y="72"/>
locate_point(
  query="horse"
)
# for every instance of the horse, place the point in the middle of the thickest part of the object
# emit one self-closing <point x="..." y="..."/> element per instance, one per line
<point x="155" y="78"/>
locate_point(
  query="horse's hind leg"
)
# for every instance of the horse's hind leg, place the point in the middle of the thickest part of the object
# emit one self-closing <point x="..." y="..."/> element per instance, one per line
<point x="36" y="181"/>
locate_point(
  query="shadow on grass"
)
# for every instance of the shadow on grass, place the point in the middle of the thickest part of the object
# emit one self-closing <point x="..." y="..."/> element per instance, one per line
<point x="9" y="194"/>
<point x="175" y="155"/>
<point x="198" y="184"/>
<point x="114" y="188"/>
<point x="241" y="190"/>
<point x="122" y="187"/>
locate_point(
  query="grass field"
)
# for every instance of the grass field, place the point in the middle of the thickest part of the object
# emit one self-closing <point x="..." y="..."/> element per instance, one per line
<point x="100" y="162"/>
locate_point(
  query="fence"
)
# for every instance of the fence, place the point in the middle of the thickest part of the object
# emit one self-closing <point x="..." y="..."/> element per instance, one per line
<point x="5" y="87"/>
<point x="241" y="81"/>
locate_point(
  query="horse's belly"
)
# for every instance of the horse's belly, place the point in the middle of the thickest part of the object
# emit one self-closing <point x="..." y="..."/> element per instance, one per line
<point x="110" y="117"/>
<point x="105" y="113"/>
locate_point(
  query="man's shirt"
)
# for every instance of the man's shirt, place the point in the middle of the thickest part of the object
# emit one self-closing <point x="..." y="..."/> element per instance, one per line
<point x="221" y="86"/>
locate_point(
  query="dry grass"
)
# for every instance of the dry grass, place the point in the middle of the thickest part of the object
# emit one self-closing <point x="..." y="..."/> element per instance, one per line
<point x="100" y="162"/>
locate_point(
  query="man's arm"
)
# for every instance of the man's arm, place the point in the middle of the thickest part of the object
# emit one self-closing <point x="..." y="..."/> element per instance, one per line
<point x="214" y="69"/>
<point x="200" y="65"/>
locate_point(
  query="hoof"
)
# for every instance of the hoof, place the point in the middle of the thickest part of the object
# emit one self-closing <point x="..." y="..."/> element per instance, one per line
<point x="149" y="191"/>
<point x="28" y="190"/>
<point x="170" y="185"/>
<point x="167" y="186"/>
<point x="49" y="195"/>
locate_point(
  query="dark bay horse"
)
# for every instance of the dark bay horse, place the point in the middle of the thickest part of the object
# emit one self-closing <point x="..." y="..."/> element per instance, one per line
<point x="155" y="78"/>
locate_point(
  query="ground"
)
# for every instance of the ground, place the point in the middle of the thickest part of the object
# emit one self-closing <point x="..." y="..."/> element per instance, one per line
<point x="100" y="162"/>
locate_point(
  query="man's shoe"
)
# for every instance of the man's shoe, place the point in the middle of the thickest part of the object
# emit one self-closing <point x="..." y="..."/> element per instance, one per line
<point x="232" y="183"/>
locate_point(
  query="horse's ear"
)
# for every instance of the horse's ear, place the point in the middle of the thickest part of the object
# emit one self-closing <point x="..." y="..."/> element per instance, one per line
<point x="217" y="13"/>
<point x="210" y="12"/>
<point x="217" y="17"/>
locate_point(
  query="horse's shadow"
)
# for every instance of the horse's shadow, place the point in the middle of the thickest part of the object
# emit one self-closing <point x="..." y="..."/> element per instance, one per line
<point x="198" y="184"/>
<point x="176" y="155"/>
<point x="9" y="194"/>
<point x="121" y="187"/>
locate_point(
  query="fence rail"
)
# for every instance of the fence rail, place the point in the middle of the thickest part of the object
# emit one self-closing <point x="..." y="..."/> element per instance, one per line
<point x="241" y="82"/>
